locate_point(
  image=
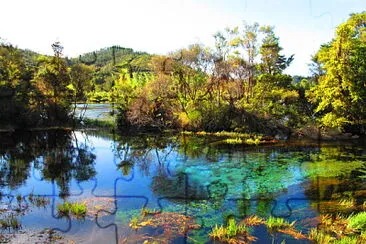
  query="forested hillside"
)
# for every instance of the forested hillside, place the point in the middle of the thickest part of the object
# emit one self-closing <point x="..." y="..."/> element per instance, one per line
<point x="237" y="85"/>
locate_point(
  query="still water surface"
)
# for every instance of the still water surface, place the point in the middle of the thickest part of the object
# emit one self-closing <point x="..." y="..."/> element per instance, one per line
<point x="180" y="175"/>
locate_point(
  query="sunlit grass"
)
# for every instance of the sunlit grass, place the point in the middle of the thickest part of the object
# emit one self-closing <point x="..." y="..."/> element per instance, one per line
<point x="253" y="221"/>
<point x="347" y="203"/>
<point x="357" y="222"/>
<point x="274" y="223"/>
<point x="320" y="236"/>
<point x="77" y="210"/>
<point x="232" y="233"/>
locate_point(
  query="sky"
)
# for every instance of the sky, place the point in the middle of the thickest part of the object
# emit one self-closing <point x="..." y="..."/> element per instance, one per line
<point x="162" y="26"/>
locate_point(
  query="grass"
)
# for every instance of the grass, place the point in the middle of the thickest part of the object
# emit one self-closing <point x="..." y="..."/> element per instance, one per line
<point x="320" y="236"/>
<point x="134" y="223"/>
<point x="99" y="123"/>
<point x="231" y="233"/>
<point x="347" y="240"/>
<point x="338" y="229"/>
<point x="77" y="210"/>
<point x="10" y="222"/>
<point x="357" y="222"/>
<point x="274" y="223"/>
<point x="234" y="138"/>
<point x="234" y="141"/>
<point x="253" y="221"/>
<point x="347" y="203"/>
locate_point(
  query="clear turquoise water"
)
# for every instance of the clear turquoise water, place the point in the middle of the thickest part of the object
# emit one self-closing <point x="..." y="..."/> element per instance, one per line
<point x="194" y="176"/>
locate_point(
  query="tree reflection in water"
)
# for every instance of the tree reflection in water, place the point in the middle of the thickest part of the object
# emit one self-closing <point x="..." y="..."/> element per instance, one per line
<point x="57" y="154"/>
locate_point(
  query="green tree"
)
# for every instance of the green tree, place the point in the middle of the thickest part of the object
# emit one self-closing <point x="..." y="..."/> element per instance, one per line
<point x="81" y="85"/>
<point x="272" y="61"/>
<point x="341" y="92"/>
<point x="53" y="97"/>
<point x="14" y="85"/>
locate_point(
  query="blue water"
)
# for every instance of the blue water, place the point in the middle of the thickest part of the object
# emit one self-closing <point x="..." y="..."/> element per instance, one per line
<point x="189" y="175"/>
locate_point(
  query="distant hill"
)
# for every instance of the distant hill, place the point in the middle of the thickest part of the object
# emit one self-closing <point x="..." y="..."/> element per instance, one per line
<point x="116" y="56"/>
<point x="109" y="61"/>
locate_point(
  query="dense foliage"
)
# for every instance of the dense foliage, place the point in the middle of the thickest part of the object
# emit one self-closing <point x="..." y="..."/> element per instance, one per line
<point x="341" y="92"/>
<point x="237" y="85"/>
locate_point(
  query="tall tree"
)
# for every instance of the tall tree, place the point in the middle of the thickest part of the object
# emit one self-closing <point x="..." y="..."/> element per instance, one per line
<point x="341" y="92"/>
<point x="52" y="80"/>
<point x="272" y="61"/>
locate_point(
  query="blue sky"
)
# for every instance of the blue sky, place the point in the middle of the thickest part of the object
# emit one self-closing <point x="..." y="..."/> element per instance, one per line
<point x="161" y="26"/>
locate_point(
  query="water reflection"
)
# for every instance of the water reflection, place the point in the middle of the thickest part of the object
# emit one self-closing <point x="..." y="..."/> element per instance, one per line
<point x="195" y="176"/>
<point x="57" y="154"/>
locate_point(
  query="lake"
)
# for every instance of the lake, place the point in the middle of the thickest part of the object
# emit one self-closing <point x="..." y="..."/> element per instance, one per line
<point x="173" y="188"/>
<point x="94" y="110"/>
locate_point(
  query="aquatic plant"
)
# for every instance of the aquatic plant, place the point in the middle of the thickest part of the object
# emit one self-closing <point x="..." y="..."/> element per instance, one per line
<point x="347" y="203"/>
<point x="274" y="223"/>
<point x="357" y="222"/>
<point x="233" y="141"/>
<point x="339" y="229"/>
<point x="234" y="137"/>
<point x="347" y="240"/>
<point x="253" y="221"/>
<point x="172" y="224"/>
<point x="10" y="222"/>
<point x="320" y="236"/>
<point x="134" y="223"/>
<point x="78" y="210"/>
<point x="232" y="233"/>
